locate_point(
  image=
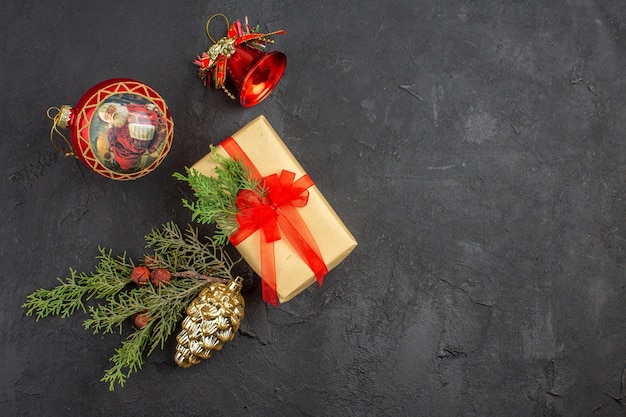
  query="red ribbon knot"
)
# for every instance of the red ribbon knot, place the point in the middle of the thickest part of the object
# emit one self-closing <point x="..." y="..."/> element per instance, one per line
<point x="276" y="215"/>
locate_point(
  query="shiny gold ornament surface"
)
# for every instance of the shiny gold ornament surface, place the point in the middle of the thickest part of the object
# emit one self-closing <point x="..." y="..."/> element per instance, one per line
<point x="213" y="318"/>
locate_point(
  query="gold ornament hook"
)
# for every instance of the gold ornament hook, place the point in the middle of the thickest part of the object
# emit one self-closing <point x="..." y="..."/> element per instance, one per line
<point x="208" y="22"/>
<point x="56" y="120"/>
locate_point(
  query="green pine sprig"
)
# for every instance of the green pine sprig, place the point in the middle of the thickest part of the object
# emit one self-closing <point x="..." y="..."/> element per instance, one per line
<point x="116" y="299"/>
<point x="216" y="196"/>
<point x="128" y="358"/>
<point x="111" y="276"/>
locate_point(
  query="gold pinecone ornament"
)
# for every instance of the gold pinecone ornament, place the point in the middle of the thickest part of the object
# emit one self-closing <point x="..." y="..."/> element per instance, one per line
<point x="213" y="318"/>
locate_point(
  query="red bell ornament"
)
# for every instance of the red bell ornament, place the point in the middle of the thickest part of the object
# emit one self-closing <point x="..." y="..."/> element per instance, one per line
<point x="120" y="128"/>
<point x="240" y="58"/>
<point x="255" y="73"/>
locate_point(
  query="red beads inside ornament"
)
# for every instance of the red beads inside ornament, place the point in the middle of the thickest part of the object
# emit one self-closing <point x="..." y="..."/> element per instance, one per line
<point x="120" y="128"/>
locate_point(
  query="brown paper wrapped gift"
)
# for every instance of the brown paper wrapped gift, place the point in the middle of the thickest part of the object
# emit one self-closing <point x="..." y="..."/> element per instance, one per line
<point x="268" y="153"/>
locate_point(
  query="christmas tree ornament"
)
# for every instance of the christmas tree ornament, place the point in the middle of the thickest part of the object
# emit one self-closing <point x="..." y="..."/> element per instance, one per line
<point x="120" y="128"/>
<point x="241" y="56"/>
<point x="212" y="319"/>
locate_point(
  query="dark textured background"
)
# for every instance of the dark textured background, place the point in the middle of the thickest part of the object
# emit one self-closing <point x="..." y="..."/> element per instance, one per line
<point x="474" y="148"/>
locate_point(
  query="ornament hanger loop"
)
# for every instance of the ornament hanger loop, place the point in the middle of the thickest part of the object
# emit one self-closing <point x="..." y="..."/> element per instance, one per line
<point x="208" y="22"/>
<point x="56" y="118"/>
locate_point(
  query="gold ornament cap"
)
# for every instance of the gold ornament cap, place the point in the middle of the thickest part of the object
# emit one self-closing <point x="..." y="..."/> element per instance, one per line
<point x="64" y="115"/>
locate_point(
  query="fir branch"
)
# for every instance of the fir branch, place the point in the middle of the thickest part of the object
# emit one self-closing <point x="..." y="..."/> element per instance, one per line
<point x="180" y="252"/>
<point x="192" y="264"/>
<point x="216" y="196"/>
<point x="165" y="305"/>
<point x="169" y="304"/>
<point x="63" y="300"/>
<point x="128" y="358"/>
<point x="111" y="276"/>
<point x="105" y="317"/>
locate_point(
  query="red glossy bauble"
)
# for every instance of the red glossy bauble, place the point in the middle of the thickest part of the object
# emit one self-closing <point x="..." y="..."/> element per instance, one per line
<point x="120" y="128"/>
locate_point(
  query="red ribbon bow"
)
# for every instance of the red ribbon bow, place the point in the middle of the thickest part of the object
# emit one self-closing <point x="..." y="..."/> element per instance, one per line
<point x="276" y="215"/>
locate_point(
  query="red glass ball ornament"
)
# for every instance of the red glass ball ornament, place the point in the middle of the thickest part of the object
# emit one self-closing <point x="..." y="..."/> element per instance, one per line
<point x="120" y="128"/>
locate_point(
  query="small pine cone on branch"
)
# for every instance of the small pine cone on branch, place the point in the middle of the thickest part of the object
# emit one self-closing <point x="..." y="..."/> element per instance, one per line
<point x="213" y="318"/>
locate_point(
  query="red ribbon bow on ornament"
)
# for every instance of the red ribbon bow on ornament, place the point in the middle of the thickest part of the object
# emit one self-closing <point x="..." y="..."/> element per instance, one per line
<point x="276" y="215"/>
<point x="213" y="62"/>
